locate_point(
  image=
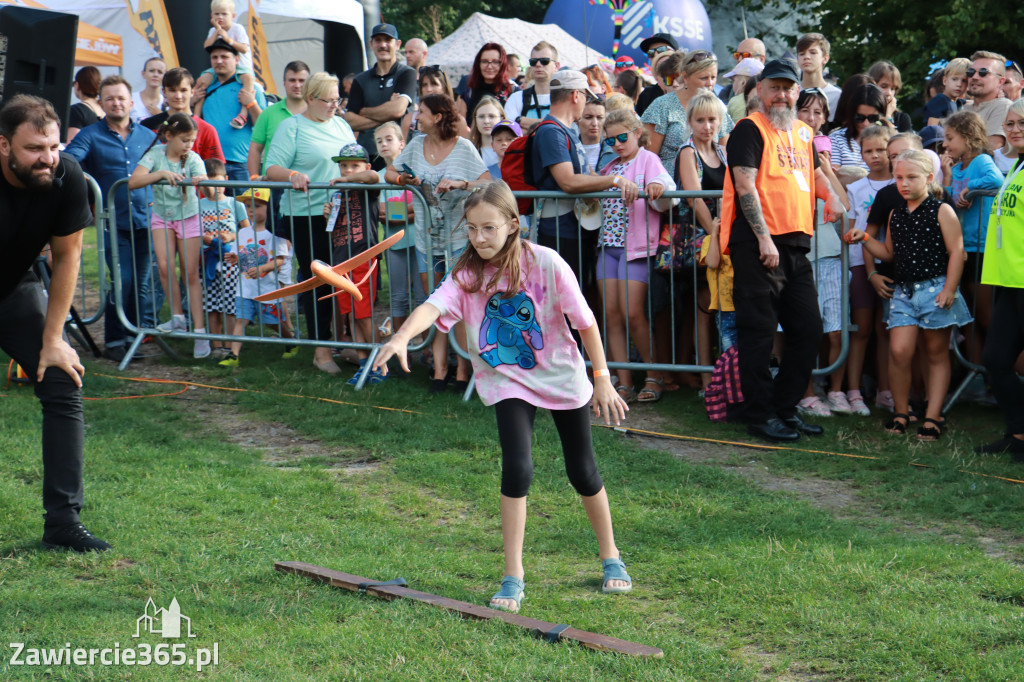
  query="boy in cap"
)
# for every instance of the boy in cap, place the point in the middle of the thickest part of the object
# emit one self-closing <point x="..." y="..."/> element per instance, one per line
<point x="264" y="264"/>
<point x="502" y="135"/>
<point x="352" y="218"/>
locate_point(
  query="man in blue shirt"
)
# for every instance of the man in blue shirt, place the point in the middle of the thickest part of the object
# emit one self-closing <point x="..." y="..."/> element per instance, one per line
<point x="221" y="104"/>
<point x="560" y="164"/>
<point x="109" y="150"/>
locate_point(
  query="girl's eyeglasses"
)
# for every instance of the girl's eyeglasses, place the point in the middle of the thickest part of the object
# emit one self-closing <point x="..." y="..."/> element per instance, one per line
<point x="487" y="230"/>
<point x="621" y="137"/>
<point x="870" y="118"/>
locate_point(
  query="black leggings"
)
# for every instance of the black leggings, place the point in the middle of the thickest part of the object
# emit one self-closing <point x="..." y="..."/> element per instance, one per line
<point x="1003" y="345"/>
<point x="515" y="431"/>
<point x="312" y="240"/>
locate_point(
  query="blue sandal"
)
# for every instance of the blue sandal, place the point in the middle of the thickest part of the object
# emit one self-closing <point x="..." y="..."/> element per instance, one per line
<point x="614" y="569"/>
<point x="511" y="588"/>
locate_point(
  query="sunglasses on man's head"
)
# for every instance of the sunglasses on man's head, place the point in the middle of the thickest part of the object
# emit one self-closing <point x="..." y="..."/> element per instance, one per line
<point x="870" y="118"/>
<point x="982" y="72"/>
<point x="621" y="137"/>
<point x="657" y="50"/>
<point x="543" y="61"/>
<point x="700" y="56"/>
<point x="1010" y="64"/>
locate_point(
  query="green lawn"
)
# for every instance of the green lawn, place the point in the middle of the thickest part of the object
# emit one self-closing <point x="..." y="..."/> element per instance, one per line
<point x="733" y="582"/>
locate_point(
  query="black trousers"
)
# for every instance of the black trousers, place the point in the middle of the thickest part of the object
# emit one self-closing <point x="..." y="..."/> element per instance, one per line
<point x="764" y="299"/>
<point x="22" y="318"/>
<point x="1003" y="345"/>
<point x="311" y="240"/>
<point x="515" y="432"/>
<point x="580" y="254"/>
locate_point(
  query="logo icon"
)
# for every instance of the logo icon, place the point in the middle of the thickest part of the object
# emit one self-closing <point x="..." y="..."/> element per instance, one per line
<point x="163" y="622"/>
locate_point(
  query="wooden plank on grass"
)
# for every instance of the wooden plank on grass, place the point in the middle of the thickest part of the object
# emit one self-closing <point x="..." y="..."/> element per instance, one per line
<point x="465" y="609"/>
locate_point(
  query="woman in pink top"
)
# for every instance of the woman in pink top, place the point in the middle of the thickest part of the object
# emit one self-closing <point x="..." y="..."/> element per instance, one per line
<point x="514" y="298"/>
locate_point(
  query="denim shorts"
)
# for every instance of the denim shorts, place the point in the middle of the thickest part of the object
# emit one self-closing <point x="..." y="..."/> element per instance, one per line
<point x="913" y="304"/>
<point x="254" y="311"/>
<point x="726" y="329"/>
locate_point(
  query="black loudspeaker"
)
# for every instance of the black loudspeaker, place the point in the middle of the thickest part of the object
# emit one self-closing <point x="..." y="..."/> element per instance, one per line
<point x="37" y="56"/>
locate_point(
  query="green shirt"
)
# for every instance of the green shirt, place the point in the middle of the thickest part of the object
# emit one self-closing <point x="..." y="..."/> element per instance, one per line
<point x="267" y="123"/>
<point x="1004" y="243"/>
<point x="306" y="146"/>
<point x="174" y="203"/>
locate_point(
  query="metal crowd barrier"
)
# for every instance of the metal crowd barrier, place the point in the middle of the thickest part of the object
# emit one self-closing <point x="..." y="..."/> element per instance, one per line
<point x="674" y="285"/>
<point x="86" y="285"/>
<point x="975" y="294"/>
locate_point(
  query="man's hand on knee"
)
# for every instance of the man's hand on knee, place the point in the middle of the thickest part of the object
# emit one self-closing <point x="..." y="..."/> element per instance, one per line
<point x="60" y="354"/>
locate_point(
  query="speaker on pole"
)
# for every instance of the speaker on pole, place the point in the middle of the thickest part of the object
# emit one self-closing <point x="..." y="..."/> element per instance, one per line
<point x="37" y="56"/>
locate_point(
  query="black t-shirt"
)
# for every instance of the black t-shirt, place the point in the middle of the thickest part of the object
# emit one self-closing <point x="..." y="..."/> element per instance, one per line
<point x="81" y="115"/>
<point x="154" y="122"/>
<point x="28" y="218"/>
<point x="650" y="93"/>
<point x="745" y="148"/>
<point x="356" y="227"/>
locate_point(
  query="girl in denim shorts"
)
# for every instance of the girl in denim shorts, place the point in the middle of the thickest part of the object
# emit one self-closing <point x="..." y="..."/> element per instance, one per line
<point x="926" y="243"/>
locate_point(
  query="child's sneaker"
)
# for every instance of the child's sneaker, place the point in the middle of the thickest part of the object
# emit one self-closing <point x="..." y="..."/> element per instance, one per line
<point x="355" y="377"/>
<point x="201" y="349"/>
<point x="289" y="352"/>
<point x="175" y="324"/>
<point x="221" y="352"/>
<point x="884" y="400"/>
<point x="230" y="361"/>
<point x="814" y="406"/>
<point x="857" y="404"/>
<point x="838" y="403"/>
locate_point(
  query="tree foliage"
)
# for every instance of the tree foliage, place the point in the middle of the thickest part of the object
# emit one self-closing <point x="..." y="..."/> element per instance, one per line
<point x="913" y="34"/>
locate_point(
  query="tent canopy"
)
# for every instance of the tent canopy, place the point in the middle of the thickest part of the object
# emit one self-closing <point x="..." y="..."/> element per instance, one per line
<point x="457" y="51"/>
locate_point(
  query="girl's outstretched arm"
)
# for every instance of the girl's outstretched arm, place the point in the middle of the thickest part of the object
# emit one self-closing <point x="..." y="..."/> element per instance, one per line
<point x="417" y="323"/>
<point x="141" y="177"/>
<point x="953" y="236"/>
<point x="606" y="401"/>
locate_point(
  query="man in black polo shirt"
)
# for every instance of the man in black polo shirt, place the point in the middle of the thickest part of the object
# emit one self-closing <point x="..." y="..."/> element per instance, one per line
<point x="44" y="200"/>
<point x="380" y="94"/>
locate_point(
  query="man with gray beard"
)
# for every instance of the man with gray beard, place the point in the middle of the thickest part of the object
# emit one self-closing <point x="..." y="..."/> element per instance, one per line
<point x="767" y="222"/>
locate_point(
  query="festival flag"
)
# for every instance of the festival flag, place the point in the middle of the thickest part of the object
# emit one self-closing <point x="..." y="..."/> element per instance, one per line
<point x="149" y="18"/>
<point x="258" y="44"/>
<point x="95" y="46"/>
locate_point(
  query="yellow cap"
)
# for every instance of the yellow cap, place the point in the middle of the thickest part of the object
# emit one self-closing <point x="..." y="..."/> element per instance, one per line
<point x="258" y="193"/>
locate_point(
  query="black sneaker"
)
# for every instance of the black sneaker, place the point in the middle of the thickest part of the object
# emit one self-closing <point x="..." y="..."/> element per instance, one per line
<point x="115" y="353"/>
<point x="73" y="536"/>
<point x="1008" y="444"/>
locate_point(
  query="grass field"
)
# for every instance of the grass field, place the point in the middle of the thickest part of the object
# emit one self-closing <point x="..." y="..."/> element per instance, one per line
<point x="891" y="571"/>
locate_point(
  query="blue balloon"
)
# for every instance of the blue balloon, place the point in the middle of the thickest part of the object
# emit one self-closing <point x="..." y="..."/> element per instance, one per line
<point x="686" y="20"/>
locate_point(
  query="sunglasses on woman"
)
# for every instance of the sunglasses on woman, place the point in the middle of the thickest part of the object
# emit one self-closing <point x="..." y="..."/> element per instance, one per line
<point x="621" y="137"/>
<point x="870" y="118"/>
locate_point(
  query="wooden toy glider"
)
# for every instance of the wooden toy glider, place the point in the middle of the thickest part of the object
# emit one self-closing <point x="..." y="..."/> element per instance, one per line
<point x="336" y="276"/>
<point x="395" y="589"/>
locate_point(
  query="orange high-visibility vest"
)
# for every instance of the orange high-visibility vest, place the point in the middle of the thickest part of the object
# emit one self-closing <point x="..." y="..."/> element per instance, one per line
<point x="786" y="207"/>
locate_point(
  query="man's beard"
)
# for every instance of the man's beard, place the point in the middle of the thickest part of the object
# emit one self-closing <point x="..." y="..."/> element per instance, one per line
<point x="29" y="177"/>
<point x="781" y="119"/>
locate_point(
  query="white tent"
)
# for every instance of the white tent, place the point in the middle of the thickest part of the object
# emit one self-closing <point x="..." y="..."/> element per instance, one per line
<point x="456" y="52"/>
<point x="289" y="25"/>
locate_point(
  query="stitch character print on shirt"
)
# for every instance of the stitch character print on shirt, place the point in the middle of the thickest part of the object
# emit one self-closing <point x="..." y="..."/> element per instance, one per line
<point x="510" y="326"/>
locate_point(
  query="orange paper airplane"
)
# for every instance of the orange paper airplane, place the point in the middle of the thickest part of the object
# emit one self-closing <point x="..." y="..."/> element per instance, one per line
<point x="336" y="276"/>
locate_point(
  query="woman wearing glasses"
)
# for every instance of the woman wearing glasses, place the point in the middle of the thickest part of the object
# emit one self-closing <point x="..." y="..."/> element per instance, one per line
<point x="866" y="107"/>
<point x="489" y="76"/>
<point x="1003" y="268"/>
<point x="300" y="153"/>
<point x="665" y="120"/>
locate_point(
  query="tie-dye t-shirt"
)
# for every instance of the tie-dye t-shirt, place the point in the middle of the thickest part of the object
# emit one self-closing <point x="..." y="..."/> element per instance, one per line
<point x="521" y="347"/>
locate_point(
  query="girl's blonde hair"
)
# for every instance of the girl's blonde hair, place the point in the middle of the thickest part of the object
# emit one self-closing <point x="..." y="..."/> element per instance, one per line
<point x="476" y="135"/>
<point x="499" y="195"/>
<point x="969" y="126"/>
<point x="628" y="119"/>
<point x="704" y="103"/>
<point x="389" y="126"/>
<point x="924" y="163"/>
<point x="616" y="101"/>
<point x="317" y="85"/>
<point x="883" y="133"/>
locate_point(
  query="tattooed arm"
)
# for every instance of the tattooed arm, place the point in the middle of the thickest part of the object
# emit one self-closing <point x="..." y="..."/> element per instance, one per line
<point x="749" y="202"/>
